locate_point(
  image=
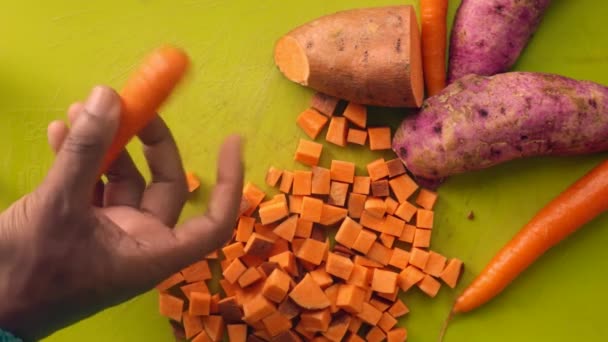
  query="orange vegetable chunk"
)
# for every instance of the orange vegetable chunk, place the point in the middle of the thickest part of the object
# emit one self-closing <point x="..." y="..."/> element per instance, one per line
<point x="237" y="332"/>
<point x="287" y="228"/>
<point x="312" y="251"/>
<point x="244" y="228"/>
<point x="257" y="308"/>
<point x="403" y="187"/>
<point x="451" y="272"/>
<point x="348" y="232"/>
<point x="286" y="181"/>
<point x="377" y="169"/>
<point x="435" y="264"/>
<point x="426" y="199"/>
<point x="312" y="208"/>
<point x="384" y="281"/>
<point x="337" y="193"/>
<point x="356" y="136"/>
<point x="258" y="245"/>
<point x="424" y="219"/>
<point x="387" y="322"/>
<point x="395" y="167"/>
<point x="379" y="138"/>
<point x="360" y="276"/>
<point x="200" y="304"/>
<point x="397" y="335"/>
<point x="170" y="306"/>
<point x="339" y="266"/>
<point x="192" y="324"/>
<point x="250" y="276"/>
<point x="422" y="238"/>
<point x="398" y="309"/>
<point x="311" y="122"/>
<point x="350" y="298"/>
<point x="273" y="212"/>
<point x="356" y="203"/>
<point x="342" y="171"/>
<point x="419" y="257"/>
<point x="308" y="294"/>
<point x="364" y="241"/>
<point x="316" y="321"/>
<point x="369" y="314"/>
<point x="234" y="271"/>
<point x="400" y="258"/>
<point x="356" y="113"/>
<point x="393" y="226"/>
<point x="193" y="181"/>
<point x="321" y="179"/>
<point x="325" y="104"/>
<point x="409" y="277"/>
<point x="302" y="183"/>
<point x="375" y="206"/>
<point x="307" y="153"/>
<point x="336" y="133"/>
<point x="273" y="175"/>
<point x="429" y="285"/>
<point x="276" y="323"/>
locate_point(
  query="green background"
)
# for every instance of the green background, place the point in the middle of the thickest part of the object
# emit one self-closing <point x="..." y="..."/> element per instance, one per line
<point x="54" y="51"/>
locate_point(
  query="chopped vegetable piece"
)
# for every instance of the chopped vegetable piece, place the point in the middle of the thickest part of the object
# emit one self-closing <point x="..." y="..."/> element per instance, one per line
<point x="253" y="196"/>
<point x="356" y="114"/>
<point x="170" y="306"/>
<point x="379" y="138"/>
<point x="316" y="321"/>
<point x="339" y="266"/>
<point x="377" y="169"/>
<point x="387" y="322"/>
<point x="336" y="133"/>
<point x="397" y="335"/>
<point x="338" y="327"/>
<point x="250" y="276"/>
<point x="361" y="185"/>
<point x="273" y="175"/>
<point x="312" y="251"/>
<point x="429" y="285"/>
<point x="325" y="104"/>
<point x="231" y="252"/>
<point x="286" y="181"/>
<point x="391" y="205"/>
<point x="273" y="212"/>
<point x="309" y="295"/>
<point x="295" y="204"/>
<point x="332" y="293"/>
<point x="398" y="309"/>
<point x="364" y="241"/>
<point x="331" y="215"/>
<point x="419" y="257"/>
<point x="199" y="286"/>
<point x="287" y="228"/>
<point x="311" y="122"/>
<point x="276" y="323"/>
<point x="395" y="167"/>
<point x="312" y="208"/>
<point x="348" y="232"/>
<point x="257" y="308"/>
<point x="408" y="233"/>
<point x="375" y="207"/>
<point x="308" y="153"/>
<point x="384" y="281"/>
<point x="200" y="304"/>
<point x="375" y="334"/>
<point x="435" y="264"/>
<point x="244" y="228"/>
<point x="321" y="277"/>
<point x="342" y="171"/>
<point x="369" y="221"/>
<point x="350" y="298"/>
<point x="259" y="245"/>
<point x="192" y="324"/>
<point x="380" y="188"/>
<point x="234" y="271"/>
<point x="192" y="181"/>
<point x="403" y="187"/>
<point x="380" y="253"/>
<point x="422" y="238"/>
<point x="237" y="332"/>
<point x="400" y="258"/>
<point x="451" y="272"/>
<point x="426" y="199"/>
<point x="393" y="226"/>
<point x="321" y="179"/>
<point x="356" y="203"/>
<point x="424" y="219"/>
<point x="170" y="282"/>
<point x="409" y="277"/>
<point x="369" y="314"/>
<point x="337" y="193"/>
<point x="406" y="211"/>
<point x="356" y="136"/>
<point x="302" y="183"/>
<point x="360" y="276"/>
<point x="289" y="309"/>
<point x="303" y="228"/>
<point x="387" y="240"/>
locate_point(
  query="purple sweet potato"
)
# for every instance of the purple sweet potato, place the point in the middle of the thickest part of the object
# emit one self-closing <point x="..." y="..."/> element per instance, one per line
<point x="480" y="121"/>
<point x="488" y="35"/>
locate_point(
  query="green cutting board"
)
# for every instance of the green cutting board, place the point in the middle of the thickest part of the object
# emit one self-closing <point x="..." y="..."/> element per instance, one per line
<point x="54" y="51"/>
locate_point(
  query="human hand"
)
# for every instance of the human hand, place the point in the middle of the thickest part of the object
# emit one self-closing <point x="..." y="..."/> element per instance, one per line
<point x="75" y="246"/>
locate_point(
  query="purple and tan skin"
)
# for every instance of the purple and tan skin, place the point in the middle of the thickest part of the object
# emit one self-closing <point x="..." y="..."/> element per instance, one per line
<point x="65" y="254"/>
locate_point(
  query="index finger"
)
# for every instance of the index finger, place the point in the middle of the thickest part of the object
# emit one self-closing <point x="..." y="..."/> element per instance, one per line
<point x="202" y="235"/>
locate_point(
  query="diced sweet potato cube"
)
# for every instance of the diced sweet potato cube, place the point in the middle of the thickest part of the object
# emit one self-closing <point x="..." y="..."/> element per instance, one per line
<point x="397" y="335"/>
<point x="170" y="306"/>
<point x="356" y="203"/>
<point x="408" y="234"/>
<point x="342" y="171"/>
<point x="424" y="219"/>
<point x="312" y="208"/>
<point x="244" y="228"/>
<point x="258" y="245"/>
<point x="308" y="294"/>
<point x="375" y="207"/>
<point x="336" y="133"/>
<point x="361" y="185"/>
<point x="337" y="193"/>
<point x="391" y="205"/>
<point x="398" y="309"/>
<point x="276" y="323"/>
<point x="311" y="122"/>
<point x="451" y="272"/>
<point x="287" y="228"/>
<point x="419" y="257"/>
<point x="312" y="251"/>
<point x="406" y="211"/>
<point x="257" y="308"/>
<point x="234" y="271"/>
<point x="286" y="181"/>
<point x="422" y="238"/>
<point x="356" y="114"/>
<point x="200" y="304"/>
<point x="379" y="138"/>
<point x="409" y="277"/>
<point x="400" y="258"/>
<point x="303" y="228"/>
<point x="380" y="188"/>
<point x="369" y="314"/>
<point x="339" y="266"/>
<point x="384" y="281"/>
<point x="359" y="276"/>
<point x="307" y="153"/>
<point x="350" y="298"/>
<point x="377" y="169"/>
<point x="356" y="136"/>
<point x="325" y="104"/>
<point x="348" y="232"/>
<point x="403" y="187"/>
<point x="233" y="251"/>
<point x="273" y="175"/>
<point x="230" y="310"/>
<point x="302" y="182"/>
<point x="321" y="179"/>
<point x="393" y="226"/>
<point x="369" y="221"/>
<point x="426" y="199"/>
<point x="316" y="321"/>
<point x="331" y="215"/>
<point x="429" y="285"/>
<point x="364" y="241"/>
<point x="395" y="167"/>
<point x="380" y="253"/>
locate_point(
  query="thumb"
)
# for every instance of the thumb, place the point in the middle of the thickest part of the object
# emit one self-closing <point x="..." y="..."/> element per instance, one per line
<point x="76" y="168"/>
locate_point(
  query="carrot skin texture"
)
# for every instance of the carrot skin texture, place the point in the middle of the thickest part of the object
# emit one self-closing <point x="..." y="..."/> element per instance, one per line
<point x="571" y="210"/>
<point x="145" y="91"/>
<point x="433" y="22"/>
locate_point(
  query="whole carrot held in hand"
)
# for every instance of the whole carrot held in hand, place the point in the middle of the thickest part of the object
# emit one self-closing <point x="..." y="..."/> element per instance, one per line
<point x="145" y="91"/>
<point x="433" y="21"/>
<point x="579" y="204"/>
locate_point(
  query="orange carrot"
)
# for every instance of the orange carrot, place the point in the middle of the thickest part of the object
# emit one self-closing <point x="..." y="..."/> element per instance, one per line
<point x="433" y="23"/>
<point x="193" y="181"/>
<point x="571" y="210"/>
<point x="145" y="91"/>
<point x="451" y="272"/>
<point x="435" y="264"/>
<point x="311" y="122"/>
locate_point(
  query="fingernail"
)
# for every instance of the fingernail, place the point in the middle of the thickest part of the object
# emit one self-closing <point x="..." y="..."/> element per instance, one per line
<point x="101" y="101"/>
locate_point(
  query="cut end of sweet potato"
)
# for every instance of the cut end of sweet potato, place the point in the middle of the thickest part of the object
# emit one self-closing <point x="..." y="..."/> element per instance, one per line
<point x="291" y="59"/>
